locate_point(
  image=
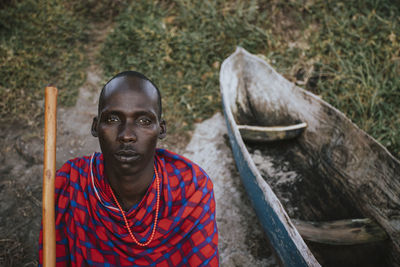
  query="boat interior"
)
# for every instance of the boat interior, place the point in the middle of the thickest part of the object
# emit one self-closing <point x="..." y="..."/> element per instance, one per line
<point x="314" y="202"/>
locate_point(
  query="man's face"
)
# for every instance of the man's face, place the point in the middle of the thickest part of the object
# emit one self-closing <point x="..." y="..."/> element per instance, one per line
<point x="128" y="125"/>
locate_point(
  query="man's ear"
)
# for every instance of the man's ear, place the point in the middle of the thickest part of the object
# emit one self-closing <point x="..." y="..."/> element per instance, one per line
<point x="163" y="130"/>
<point x="94" y="127"/>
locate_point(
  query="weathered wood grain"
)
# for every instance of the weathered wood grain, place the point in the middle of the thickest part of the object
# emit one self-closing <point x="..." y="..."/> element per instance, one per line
<point x="341" y="232"/>
<point x="269" y="134"/>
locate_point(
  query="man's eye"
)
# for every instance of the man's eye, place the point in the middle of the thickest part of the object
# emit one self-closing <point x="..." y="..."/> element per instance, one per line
<point x="144" y="121"/>
<point x="112" y="118"/>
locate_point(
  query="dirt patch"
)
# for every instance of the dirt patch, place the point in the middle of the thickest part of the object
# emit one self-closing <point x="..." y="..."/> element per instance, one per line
<point x="20" y="197"/>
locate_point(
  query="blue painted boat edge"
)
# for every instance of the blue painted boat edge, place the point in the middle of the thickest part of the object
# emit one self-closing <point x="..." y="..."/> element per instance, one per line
<point x="280" y="239"/>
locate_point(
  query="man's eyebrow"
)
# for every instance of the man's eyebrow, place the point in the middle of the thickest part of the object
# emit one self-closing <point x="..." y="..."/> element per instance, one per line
<point x="107" y="111"/>
<point x="119" y="112"/>
<point x="147" y="112"/>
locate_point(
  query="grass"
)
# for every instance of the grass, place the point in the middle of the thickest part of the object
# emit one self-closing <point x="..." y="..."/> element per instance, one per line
<point x="353" y="62"/>
<point x="41" y="42"/>
<point x="180" y="46"/>
<point x="347" y="52"/>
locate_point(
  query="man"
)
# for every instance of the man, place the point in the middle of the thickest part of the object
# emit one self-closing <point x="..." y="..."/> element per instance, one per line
<point x="133" y="204"/>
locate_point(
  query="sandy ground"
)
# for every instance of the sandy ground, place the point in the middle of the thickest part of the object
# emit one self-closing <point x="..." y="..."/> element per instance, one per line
<point x="241" y="240"/>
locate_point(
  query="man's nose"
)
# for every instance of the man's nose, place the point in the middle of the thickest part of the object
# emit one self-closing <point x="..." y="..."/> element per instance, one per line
<point x="127" y="133"/>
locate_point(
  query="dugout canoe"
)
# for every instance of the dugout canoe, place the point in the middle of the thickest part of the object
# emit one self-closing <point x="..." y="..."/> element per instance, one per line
<point x="325" y="192"/>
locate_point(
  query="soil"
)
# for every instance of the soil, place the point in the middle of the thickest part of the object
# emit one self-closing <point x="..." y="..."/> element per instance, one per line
<point x="241" y="240"/>
<point x="303" y="189"/>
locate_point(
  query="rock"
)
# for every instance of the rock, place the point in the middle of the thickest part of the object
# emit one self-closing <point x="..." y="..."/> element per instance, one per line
<point x="30" y="148"/>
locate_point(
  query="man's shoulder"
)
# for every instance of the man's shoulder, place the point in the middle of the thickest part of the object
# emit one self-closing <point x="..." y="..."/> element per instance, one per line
<point x="76" y="170"/>
<point x="81" y="162"/>
<point x="175" y="159"/>
<point x="181" y="167"/>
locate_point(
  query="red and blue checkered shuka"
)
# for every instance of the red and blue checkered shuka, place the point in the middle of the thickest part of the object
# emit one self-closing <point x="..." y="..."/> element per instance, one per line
<point x="90" y="230"/>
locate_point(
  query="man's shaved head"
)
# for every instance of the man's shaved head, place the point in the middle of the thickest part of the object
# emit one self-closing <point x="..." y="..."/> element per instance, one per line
<point x="133" y="74"/>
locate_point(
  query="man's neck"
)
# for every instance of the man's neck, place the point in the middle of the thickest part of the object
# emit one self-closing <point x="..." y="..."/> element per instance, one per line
<point x="129" y="189"/>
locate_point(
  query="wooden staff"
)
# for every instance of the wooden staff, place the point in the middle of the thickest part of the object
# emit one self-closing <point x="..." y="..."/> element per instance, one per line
<point x="49" y="171"/>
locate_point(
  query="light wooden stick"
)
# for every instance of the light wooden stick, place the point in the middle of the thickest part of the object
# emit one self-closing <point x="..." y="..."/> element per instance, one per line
<point x="49" y="171"/>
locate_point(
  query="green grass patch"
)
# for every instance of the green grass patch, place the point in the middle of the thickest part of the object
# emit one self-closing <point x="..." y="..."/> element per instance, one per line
<point x="351" y="59"/>
<point x="41" y="42"/>
<point x="180" y="45"/>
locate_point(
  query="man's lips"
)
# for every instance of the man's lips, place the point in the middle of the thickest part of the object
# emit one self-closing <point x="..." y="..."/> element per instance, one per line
<point x="127" y="156"/>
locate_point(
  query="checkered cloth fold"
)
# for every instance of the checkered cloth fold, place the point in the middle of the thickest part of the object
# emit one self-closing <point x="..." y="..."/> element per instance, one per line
<point x="90" y="230"/>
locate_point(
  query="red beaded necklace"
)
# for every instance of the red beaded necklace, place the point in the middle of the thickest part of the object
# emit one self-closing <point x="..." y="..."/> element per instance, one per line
<point x="155" y="217"/>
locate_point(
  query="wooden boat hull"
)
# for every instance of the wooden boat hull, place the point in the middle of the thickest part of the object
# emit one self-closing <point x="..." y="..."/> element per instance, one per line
<point x="363" y="169"/>
<point x="269" y="211"/>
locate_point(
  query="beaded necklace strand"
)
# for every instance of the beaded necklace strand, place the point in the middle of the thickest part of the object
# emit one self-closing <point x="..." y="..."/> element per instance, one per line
<point x="155" y="217"/>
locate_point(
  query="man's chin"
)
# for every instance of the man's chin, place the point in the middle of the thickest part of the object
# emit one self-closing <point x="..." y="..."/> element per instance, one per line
<point x="127" y="164"/>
